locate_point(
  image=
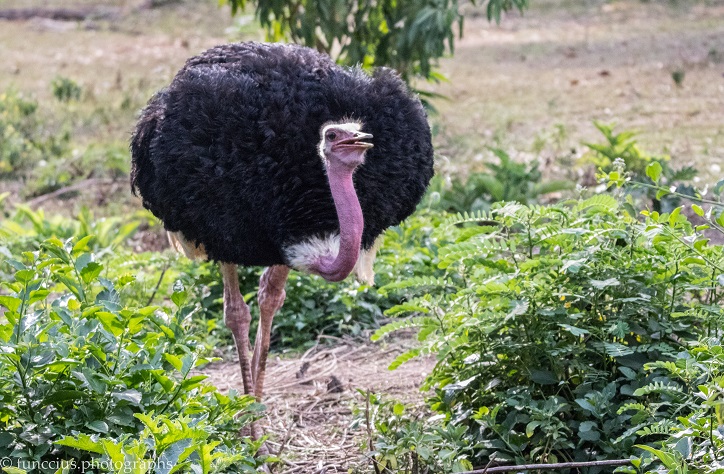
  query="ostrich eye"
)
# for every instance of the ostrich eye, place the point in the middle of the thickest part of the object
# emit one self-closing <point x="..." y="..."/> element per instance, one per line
<point x="331" y="136"/>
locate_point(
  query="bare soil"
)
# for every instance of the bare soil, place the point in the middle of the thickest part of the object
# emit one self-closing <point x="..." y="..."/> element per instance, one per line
<point x="310" y="400"/>
<point x="535" y="83"/>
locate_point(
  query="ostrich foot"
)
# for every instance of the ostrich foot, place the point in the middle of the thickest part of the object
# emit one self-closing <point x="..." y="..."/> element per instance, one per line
<point x="271" y="297"/>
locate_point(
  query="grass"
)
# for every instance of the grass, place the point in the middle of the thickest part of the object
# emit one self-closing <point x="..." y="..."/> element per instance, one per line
<point x="118" y="62"/>
<point x="609" y="61"/>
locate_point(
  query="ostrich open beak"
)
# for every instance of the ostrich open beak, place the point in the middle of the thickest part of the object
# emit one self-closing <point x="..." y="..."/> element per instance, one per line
<point x="356" y="141"/>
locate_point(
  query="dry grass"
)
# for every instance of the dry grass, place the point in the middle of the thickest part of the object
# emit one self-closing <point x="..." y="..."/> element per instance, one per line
<point x="310" y="400"/>
<point x="537" y="82"/>
<point x="119" y="62"/>
<point x="533" y="84"/>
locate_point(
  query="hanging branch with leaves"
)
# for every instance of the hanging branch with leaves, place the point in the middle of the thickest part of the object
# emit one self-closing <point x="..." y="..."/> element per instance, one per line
<point x="406" y="36"/>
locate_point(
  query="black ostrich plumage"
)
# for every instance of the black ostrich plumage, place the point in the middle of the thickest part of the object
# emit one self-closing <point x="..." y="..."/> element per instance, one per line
<point x="227" y="154"/>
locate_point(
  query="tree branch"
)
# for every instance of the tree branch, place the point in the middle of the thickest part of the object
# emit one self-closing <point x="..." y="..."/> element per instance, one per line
<point x="69" y="189"/>
<point x="562" y="465"/>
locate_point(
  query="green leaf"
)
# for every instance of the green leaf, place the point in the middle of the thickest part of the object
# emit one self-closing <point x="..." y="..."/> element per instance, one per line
<point x="131" y="395"/>
<point x="666" y="459"/>
<point x="98" y="426"/>
<point x="81" y="245"/>
<point x="114" y="450"/>
<point x="574" y="330"/>
<point x="175" y="361"/>
<point x="193" y="382"/>
<point x="13" y="470"/>
<point x="60" y="396"/>
<point x="404" y="357"/>
<point x="82" y="442"/>
<point x="165" y="382"/>
<point x="674" y="216"/>
<point x="586" y="405"/>
<point x="530" y="428"/>
<point x="697" y="210"/>
<point x="16" y="264"/>
<point x="653" y="171"/>
<point x="83" y="260"/>
<point x="601" y="284"/>
<point x="396" y="326"/>
<point x="179" y="297"/>
<point x="91" y="271"/>
<point x="91" y="380"/>
<point x="543" y="377"/>
<point x="170" y="456"/>
<point x="10" y="302"/>
<point x="24" y="276"/>
<point x="206" y="457"/>
<point x="587" y="426"/>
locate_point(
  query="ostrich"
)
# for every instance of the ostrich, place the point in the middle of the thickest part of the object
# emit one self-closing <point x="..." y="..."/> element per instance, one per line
<point x="272" y="155"/>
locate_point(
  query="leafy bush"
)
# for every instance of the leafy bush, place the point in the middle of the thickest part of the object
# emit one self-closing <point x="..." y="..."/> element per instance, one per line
<point x="620" y="152"/>
<point x="36" y="149"/>
<point x="544" y="321"/>
<point x="403" y="440"/>
<point x="25" y="230"/>
<point x="107" y="161"/>
<point x="408" y="37"/>
<point x="65" y="89"/>
<point x="506" y="181"/>
<point x="684" y="407"/>
<point x="23" y="140"/>
<point x="86" y="377"/>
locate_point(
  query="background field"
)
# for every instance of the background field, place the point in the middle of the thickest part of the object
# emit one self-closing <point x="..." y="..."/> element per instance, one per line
<point x="532" y="85"/>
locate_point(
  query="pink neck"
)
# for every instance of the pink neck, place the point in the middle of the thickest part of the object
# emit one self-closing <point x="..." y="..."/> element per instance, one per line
<point x="351" y="224"/>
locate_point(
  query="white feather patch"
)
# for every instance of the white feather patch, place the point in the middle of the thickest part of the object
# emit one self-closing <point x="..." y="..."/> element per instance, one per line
<point x="302" y="255"/>
<point x="181" y="245"/>
<point x="364" y="270"/>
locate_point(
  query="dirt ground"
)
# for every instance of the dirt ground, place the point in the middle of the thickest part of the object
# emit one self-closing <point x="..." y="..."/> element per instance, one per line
<point x="535" y="83"/>
<point x="310" y="399"/>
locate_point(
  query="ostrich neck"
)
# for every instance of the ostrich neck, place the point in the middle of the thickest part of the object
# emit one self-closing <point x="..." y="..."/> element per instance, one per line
<point x="351" y="224"/>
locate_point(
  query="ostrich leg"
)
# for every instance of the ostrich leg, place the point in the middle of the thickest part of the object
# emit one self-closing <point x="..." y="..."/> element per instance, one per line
<point x="237" y="318"/>
<point x="271" y="297"/>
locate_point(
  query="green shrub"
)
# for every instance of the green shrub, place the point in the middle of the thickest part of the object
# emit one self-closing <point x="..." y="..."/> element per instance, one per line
<point x="506" y="181"/>
<point x="405" y="440"/>
<point x="26" y="229"/>
<point x="97" y="161"/>
<point x="23" y="142"/>
<point x="86" y="377"/>
<point x="544" y="321"/>
<point x="681" y="415"/>
<point x="620" y="152"/>
<point x="65" y="89"/>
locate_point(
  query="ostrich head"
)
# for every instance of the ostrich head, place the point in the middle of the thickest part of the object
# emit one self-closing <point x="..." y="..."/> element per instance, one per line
<point x="342" y="147"/>
<point x="343" y="143"/>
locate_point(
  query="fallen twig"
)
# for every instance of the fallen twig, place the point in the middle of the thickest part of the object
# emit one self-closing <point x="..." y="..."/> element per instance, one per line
<point x="158" y="284"/>
<point x="543" y="467"/>
<point x="369" y="431"/>
<point x="69" y="189"/>
<point x="60" y="14"/>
